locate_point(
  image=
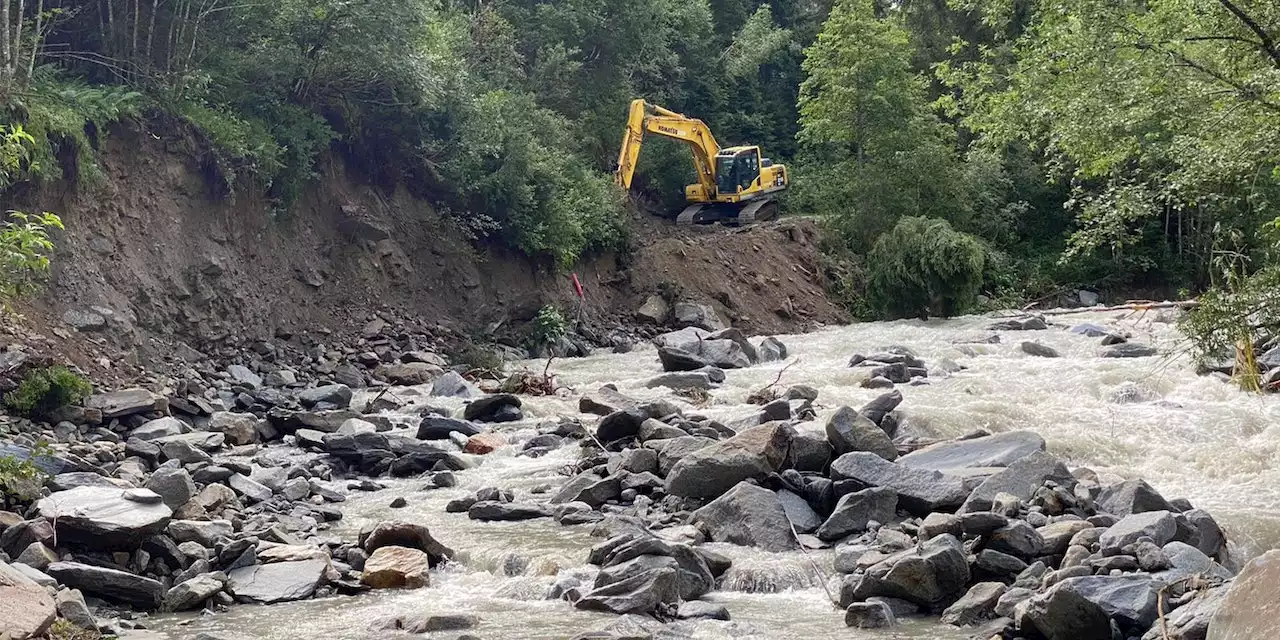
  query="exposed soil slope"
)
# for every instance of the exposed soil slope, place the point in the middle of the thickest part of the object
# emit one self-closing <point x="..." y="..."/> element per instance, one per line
<point x="178" y="265"/>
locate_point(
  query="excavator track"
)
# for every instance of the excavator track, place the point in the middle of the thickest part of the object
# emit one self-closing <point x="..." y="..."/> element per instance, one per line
<point x="758" y="211"/>
<point x="690" y="215"/>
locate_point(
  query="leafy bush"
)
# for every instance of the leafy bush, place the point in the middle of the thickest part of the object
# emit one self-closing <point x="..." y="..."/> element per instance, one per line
<point x="16" y="148"/>
<point x="44" y="391"/>
<point x="924" y="267"/>
<point x="67" y="119"/>
<point x="24" y="251"/>
<point x="549" y="326"/>
<point x="21" y="479"/>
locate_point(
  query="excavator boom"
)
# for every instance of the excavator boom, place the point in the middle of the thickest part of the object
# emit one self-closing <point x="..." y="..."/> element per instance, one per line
<point x="733" y="183"/>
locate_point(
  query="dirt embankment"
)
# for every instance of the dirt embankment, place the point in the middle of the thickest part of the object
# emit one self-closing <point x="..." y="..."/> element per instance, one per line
<point x="169" y="266"/>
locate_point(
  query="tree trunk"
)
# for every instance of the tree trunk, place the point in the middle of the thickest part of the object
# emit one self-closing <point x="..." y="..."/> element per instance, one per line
<point x="151" y="33"/>
<point x="39" y="38"/>
<point x="5" y="46"/>
<point x="133" y="44"/>
<point x="17" y="40"/>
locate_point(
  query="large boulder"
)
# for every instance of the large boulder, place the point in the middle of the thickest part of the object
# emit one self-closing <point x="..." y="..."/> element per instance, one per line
<point x="849" y="431"/>
<point x="747" y="515"/>
<point x="239" y="428"/>
<point x="855" y="510"/>
<point x="109" y="584"/>
<point x="919" y="491"/>
<point x="799" y="513"/>
<point x="453" y="385"/>
<point x="1131" y="496"/>
<point x="978" y="604"/>
<point x="501" y="407"/>
<point x="26" y="610"/>
<point x="620" y="425"/>
<point x="338" y="395"/>
<point x="606" y="400"/>
<point x="654" y="310"/>
<point x="639" y="593"/>
<point x="999" y="450"/>
<point x="713" y="470"/>
<point x="696" y="314"/>
<point x="404" y="534"/>
<point x="1251" y="609"/>
<point x="192" y="593"/>
<point x="439" y="428"/>
<point x="1020" y="479"/>
<point x="1130" y="600"/>
<point x="881" y="406"/>
<point x="932" y="575"/>
<point x="1160" y="526"/>
<point x="105" y="517"/>
<point x="396" y="568"/>
<point x="1062" y="614"/>
<point x="278" y="582"/>
<point x="126" y="402"/>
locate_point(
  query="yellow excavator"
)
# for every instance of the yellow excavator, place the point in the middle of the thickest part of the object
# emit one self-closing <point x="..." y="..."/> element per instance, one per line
<point x="734" y="183"/>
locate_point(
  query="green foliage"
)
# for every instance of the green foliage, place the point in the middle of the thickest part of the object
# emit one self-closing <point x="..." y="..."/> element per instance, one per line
<point x="20" y="480"/>
<point x="549" y="326"/>
<point x="16" y="146"/>
<point x="66" y="120"/>
<point x="924" y="267"/>
<point x="24" y="251"/>
<point x="759" y="40"/>
<point x="43" y="391"/>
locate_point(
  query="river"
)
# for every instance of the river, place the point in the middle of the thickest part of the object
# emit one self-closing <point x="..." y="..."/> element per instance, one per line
<point x="1189" y="436"/>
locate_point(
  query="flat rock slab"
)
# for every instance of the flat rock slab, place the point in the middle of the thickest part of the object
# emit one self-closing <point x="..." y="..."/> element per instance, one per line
<point x="26" y="609"/>
<point x="104" y="517"/>
<point x="709" y="472"/>
<point x="999" y="450"/>
<point x="109" y="584"/>
<point x="920" y="491"/>
<point x="277" y="582"/>
<point x="747" y="515"/>
<point x="1251" y="609"/>
<point x="126" y="402"/>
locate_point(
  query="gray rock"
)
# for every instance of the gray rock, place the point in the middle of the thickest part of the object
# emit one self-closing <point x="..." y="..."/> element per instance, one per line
<point x="103" y="518"/>
<point x="641" y="593"/>
<point x="702" y="610"/>
<point x="37" y="556"/>
<point x="338" y="395"/>
<point x="204" y="532"/>
<point x="919" y="491"/>
<point x="277" y="582"/>
<point x="174" y="486"/>
<point x="109" y="584"/>
<point x="453" y="385"/>
<point x="72" y="607"/>
<point x="159" y="428"/>
<point x="855" y="510"/>
<point x="126" y="402"/>
<point x="239" y="428"/>
<point x="490" y="510"/>
<point x="849" y="431"/>
<point x="1191" y="620"/>
<point x="491" y="408"/>
<point x="1130" y="600"/>
<point x="1039" y="350"/>
<point x="439" y="428"/>
<point x="1019" y="479"/>
<point x="678" y="380"/>
<point x="242" y="375"/>
<point x="725" y="354"/>
<point x="771" y="349"/>
<point x="1062" y="614"/>
<point x="999" y="450"/>
<point x="1250" y="609"/>
<point x="1017" y="538"/>
<point x="977" y="604"/>
<point x="249" y="488"/>
<point x="1129" y="350"/>
<point x="1157" y="525"/>
<point x="798" y="511"/>
<point x="1057" y="536"/>
<point x="1131" y="496"/>
<point x="881" y="406"/>
<point x="869" y="615"/>
<point x="999" y="564"/>
<point x="654" y="310"/>
<point x="638" y="461"/>
<point x="184" y="452"/>
<point x="747" y="515"/>
<point x="1210" y="540"/>
<point x="620" y="425"/>
<point x="74" y="479"/>
<point x="589" y="488"/>
<point x="710" y="471"/>
<point x="394" y="533"/>
<point x="932" y="575"/>
<point x="191" y="594"/>
<point x="696" y="314"/>
<point x="676" y="359"/>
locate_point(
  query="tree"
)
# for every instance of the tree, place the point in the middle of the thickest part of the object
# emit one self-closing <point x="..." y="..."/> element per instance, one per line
<point x="924" y="267"/>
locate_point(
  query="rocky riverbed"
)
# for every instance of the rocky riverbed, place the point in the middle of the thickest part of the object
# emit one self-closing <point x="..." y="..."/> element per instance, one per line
<point x="950" y="479"/>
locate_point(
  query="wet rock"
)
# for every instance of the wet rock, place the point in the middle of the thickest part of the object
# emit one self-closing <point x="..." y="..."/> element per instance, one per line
<point x="396" y="568"/>
<point x="849" y="431"/>
<point x="72" y="608"/>
<point x="277" y="582"/>
<point x="640" y="593"/>
<point x="1250" y="608"/>
<point x="490" y="510"/>
<point x="747" y="515"/>
<point x="1209" y="539"/>
<point x="337" y="395"/>
<point x="1130" y="600"/>
<point x="798" y="511"/>
<point x="978" y="604"/>
<point x="1020" y="479"/>
<point x="682" y="380"/>
<point x="126" y="402"/>
<point x="1129" y="350"/>
<point x="104" y="518"/>
<point x="855" y="510"/>
<point x="919" y="491"/>
<point x="620" y="425"/>
<point x="771" y="350"/>
<point x="676" y="359"/>
<point x="404" y="534"/>
<point x="605" y="400"/>
<point x="1039" y="350"/>
<point x="26" y="610"/>
<point x="702" y="610"/>
<point x="109" y="584"/>
<point x="999" y="450"/>
<point x="484" y="443"/>
<point x="1191" y="620"/>
<point x="712" y="470"/>
<point x="590" y="489"/>
<point x="1159" y="526"/>
<point x="439" y="428"/>
<point x="493" y="408"/>
<point x="869" y="615"/>
<point x="881" y="406"/>
<point x="1131" y="496"/>
<point x="191" y="594"/>
<point x="932" y="575"/>
<point x="1027" y="323"/>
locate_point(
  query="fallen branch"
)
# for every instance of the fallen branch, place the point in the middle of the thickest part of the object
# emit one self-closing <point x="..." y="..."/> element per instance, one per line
<point x="821" y="580"/>
<point x="765" y="395"/>
<point x="1131" y="306"/>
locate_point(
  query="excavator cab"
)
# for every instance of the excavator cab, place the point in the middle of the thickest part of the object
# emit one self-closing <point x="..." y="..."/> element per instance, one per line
<point x="737" y="169"/>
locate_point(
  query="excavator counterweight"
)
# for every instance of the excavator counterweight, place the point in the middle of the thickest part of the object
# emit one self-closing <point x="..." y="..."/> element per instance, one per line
<point x="735" y="184"/>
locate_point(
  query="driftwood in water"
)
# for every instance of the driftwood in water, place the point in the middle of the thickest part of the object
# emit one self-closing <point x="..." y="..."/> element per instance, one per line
<point x="1137" y="305"/>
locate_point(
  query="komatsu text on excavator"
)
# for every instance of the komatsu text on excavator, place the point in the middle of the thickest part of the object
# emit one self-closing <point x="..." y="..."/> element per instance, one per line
<point x="734" y="183"/>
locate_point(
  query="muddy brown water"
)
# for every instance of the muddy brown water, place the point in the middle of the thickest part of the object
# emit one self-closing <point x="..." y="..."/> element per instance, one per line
<point x="1189" y="436"/>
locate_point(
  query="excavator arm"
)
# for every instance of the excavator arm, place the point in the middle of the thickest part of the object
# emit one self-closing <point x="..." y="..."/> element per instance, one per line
<point x="646" y="118"/>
